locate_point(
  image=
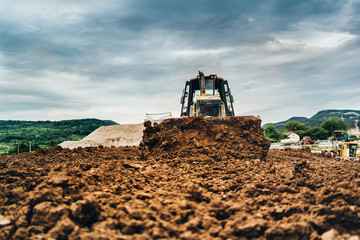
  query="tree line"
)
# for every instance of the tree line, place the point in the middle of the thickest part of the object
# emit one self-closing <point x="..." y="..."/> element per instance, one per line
<point x="324" y="131"/>
<point x="23" y="136"/>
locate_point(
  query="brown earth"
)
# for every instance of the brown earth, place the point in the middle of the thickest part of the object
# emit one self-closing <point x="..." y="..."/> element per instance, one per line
<point x="180" y="184"/>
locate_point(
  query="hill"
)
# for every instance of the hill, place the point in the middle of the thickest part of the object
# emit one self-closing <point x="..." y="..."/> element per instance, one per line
<point x="46" y="133"/>
<point x="348" y="115"/>
<point x="280" y="126"/>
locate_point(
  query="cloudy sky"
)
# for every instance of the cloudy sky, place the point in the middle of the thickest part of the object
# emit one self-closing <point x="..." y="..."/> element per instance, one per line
<point x="68" y="59"/>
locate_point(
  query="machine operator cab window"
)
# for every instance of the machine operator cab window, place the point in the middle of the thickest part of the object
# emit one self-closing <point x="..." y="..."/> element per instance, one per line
<point x="209" y="87"/>
<point x="352" y="150"/>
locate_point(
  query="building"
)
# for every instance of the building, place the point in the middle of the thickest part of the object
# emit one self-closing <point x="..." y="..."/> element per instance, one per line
<point x="291" y="135"/>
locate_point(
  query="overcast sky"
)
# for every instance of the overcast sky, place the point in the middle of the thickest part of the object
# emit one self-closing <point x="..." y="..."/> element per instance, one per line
<point x="68" y="59"/>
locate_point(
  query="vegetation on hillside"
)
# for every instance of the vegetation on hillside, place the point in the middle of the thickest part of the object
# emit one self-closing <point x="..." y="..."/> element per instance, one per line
<point x="280" y="126"/>
<point x="349" y="116"/>
<point x="324" y="131"/>
<point x="21" y="136"/>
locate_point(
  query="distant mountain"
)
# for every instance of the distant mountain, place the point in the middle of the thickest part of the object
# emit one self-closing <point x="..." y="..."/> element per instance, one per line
<point x="349" y="117"/>
<point x="280" y="126"/>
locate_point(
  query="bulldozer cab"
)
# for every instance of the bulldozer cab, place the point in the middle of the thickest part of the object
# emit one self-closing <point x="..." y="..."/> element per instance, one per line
<point x="207" y="96"/>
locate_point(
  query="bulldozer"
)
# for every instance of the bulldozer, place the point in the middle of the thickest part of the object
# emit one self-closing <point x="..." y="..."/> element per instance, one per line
<point x="207" y="125"/>
<point x="347" y="150"/>
<point x="208" y="95"/>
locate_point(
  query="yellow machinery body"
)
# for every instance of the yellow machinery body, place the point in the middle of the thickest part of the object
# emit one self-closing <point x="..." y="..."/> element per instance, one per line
<point x="347" y="150"/>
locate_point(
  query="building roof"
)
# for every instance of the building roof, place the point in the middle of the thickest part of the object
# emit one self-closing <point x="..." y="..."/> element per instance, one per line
<point x="288" y="133"/>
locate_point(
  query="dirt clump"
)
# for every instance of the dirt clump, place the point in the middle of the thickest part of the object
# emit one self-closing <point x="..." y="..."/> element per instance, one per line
<point x="158" y="192"/>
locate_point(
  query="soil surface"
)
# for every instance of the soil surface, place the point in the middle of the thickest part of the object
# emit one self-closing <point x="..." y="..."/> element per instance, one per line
<point x="180" y="184"/>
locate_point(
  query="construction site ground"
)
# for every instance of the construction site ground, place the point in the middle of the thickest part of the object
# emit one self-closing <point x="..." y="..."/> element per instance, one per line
<point x="180" y="185"/>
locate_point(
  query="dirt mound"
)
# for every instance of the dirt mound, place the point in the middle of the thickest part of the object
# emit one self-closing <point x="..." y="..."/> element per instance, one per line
<point x="217" y="138"/>
<point x="107" y="136"/>
<point x="133" y="193"/>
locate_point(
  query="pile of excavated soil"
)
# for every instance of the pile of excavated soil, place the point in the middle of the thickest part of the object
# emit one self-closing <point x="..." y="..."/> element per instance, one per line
<point x="143" y="193"/>
<point x="228" y="137"/>
<point x="108" y="136"/>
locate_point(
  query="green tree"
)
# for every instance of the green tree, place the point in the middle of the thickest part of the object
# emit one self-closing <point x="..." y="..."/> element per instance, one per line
<point x="23" y="146"/>
<point x="317" y="133"/>
<point x="333" y="124"/>
<point x="272" y="135"/>
<point x="52" y="143"/>
<point x="302" y="133"/>
<point x="269" y="130"/>
<point x="295" y="126"/>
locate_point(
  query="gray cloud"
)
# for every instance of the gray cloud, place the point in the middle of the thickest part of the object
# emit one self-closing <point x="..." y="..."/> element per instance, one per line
<point x="120" y="59"/>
